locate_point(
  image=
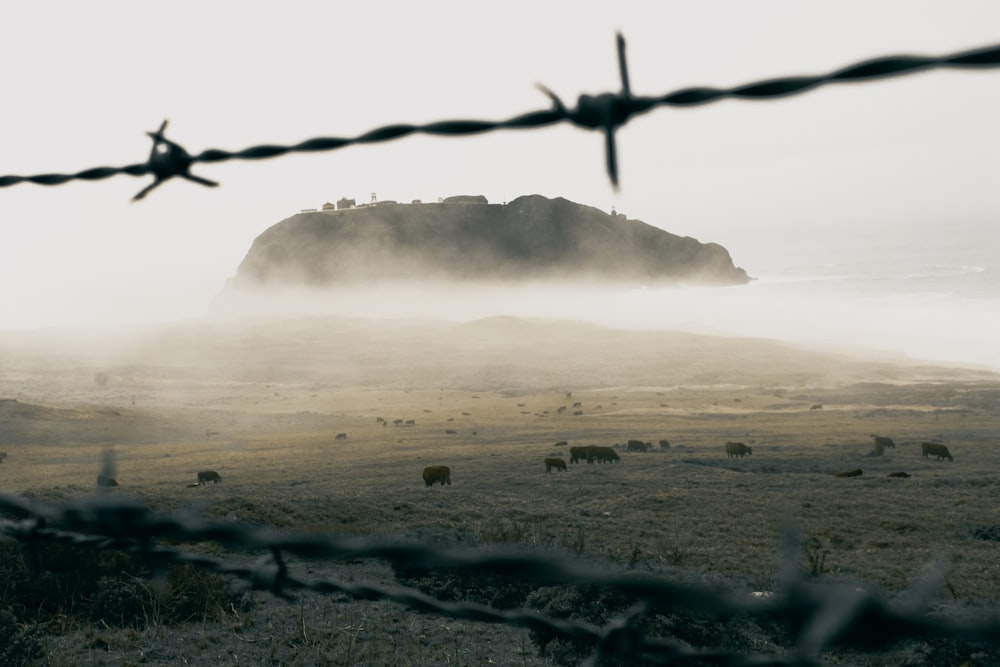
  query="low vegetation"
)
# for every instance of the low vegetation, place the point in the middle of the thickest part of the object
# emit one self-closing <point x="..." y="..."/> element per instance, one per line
<point x="684" y="511"/>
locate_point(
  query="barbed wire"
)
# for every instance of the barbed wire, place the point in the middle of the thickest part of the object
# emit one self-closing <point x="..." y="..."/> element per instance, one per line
<point x="605" y="112"/>
<point x="822" y="614"/>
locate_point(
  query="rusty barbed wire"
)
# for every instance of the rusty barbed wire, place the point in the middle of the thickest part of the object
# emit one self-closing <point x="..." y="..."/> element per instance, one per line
<point x="822" y="614"/>
<point x="606" y="112"/>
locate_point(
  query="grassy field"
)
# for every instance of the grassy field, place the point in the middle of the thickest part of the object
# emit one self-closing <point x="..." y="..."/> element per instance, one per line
<point x="263" y="408"/>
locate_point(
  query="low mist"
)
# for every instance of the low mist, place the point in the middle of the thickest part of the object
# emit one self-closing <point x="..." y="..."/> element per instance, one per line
<point x="918" y="327"/>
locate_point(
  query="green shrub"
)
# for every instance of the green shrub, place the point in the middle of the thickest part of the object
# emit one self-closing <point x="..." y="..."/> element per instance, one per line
<point x="18" y="645"/>
<point x="61" y="580"/>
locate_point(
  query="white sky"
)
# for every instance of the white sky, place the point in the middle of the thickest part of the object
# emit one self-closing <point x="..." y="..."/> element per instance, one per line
<point x="83" y="82"/>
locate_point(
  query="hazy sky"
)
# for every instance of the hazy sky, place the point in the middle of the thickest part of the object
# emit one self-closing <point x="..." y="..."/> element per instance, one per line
<point x="83" y="82"/>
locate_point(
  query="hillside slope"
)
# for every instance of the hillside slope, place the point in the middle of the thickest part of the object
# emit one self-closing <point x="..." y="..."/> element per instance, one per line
<point x="529" y="238"/>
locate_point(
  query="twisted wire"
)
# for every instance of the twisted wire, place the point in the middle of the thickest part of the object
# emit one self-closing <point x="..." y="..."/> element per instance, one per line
<point x="606" y="112"/>
<point x="823" y="613"/>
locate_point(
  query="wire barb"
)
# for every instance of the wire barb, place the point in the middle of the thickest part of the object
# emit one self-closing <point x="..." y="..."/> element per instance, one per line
<point x="166" y="160"/>
<point x="606" y="111"/>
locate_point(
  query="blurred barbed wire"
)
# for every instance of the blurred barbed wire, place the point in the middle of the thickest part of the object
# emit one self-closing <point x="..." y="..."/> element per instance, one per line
<point x="820" y="614"/>
<point x="605" y="112"/>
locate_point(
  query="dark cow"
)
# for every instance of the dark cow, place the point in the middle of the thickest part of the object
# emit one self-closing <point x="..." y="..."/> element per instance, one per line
<point x="206" y="476"/>
<point x="556" y="463"/>
<point x="450" y="431"/>
<point x="883" y="442"/>
<point x="439" y="474"/>
<point x="637" y="446"/>
<point x="340" y="436"/>
<point x="900" y="474"/>
<point x="561" y="443"/>
<point x="105" y="482"/>
<point x="737" y="449"/>
<point x="857" y="472"/>
<point x="934" y="449"/>
<point x="576" y="454"/>
<point x="816" y="406"/>
<point x="602" y="455"/>
<point x="3" y="456"/>
<point x="664" y="444"/>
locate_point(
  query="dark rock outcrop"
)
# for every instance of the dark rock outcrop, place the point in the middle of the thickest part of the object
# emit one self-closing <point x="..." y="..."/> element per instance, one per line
<point x="465" y="238"/>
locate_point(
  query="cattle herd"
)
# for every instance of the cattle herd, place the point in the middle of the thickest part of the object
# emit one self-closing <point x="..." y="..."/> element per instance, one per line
<point x="601" y="454"/>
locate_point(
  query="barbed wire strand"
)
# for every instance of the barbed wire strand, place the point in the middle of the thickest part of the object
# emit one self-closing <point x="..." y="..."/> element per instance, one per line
<point x="824" y="613"/>
<point x="606" y="112"/>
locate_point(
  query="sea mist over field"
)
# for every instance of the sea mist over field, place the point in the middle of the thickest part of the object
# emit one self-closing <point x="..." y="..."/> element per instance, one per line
<point x="820" y="307"/>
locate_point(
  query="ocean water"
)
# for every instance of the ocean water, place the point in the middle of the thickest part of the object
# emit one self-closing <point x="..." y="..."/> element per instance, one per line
<point x="924" y="300"/>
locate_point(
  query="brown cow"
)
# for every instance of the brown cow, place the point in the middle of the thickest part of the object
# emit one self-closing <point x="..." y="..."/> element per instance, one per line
<point x="439" y="474"/>
<point x="104" y="482"/>
<point x="934" y="449"/>
<point x="340" y="436"/>
<point x="206" y="476"/>
<point x="737" y="449"/>
<point x="857" y="472"/>
<point x="576" y="454"/>
<point x="638" y="446"/>
<point x="883" y="442"/>
<point x="556" y="463"/>
<point x="900" y="474"/>
<point x="602" y="455"/>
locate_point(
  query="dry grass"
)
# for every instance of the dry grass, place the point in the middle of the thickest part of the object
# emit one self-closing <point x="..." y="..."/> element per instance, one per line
<point x="685" y="509"/>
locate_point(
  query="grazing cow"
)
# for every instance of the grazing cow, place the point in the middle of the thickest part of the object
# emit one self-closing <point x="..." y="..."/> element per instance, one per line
<point x="737" y="449"/>
<point x="578" y="453"/>
<point x="664" y="444"/>
<point x="410" y="422"/>
<point x="578" y="404"/>
<point x="898" y="474"/>
<point x="105" y="482"/>
<point x="556" y="463"/>
<point x="602" y="455"/>
<point x="206" y="476"/>
<point x="561" y="443"/>
<point x="439" y="474"/>
<point x="883" y="442"/>
<point x="816" y="406"/>
<point x="449" y="431"/>
<point x="934" y="449"/>
<point x="340" y="436"/>
<point x="3" y="456"/>
<point x="857" y="472"/>
<point x="636" y="446"/>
